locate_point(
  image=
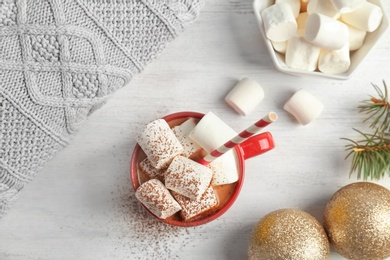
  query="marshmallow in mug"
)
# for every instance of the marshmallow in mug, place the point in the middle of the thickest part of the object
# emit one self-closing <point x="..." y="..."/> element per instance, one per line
<point x="159" y="143"/>
<point x="367" y="17"/>
<point x="326" y="32"/>
<point x="211" y="132"/>
<point x="304" y="107"/>
<point x="224" y="169"/>
<point x="347" y="6"/>
<point x="182" y="132"/>
<point x="188" y="177"/>
<point x="194" y="208"/>
<point x="279" y="22"/>
<point x="157" y="198"/>
<point x="245" y="96"/>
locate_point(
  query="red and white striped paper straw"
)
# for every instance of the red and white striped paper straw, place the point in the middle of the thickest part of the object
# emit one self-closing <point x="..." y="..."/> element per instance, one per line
<point x="241" y="137"/>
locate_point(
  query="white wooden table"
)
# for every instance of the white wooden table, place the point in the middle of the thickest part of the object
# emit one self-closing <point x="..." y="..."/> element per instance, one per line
<point x="82" y="206"/>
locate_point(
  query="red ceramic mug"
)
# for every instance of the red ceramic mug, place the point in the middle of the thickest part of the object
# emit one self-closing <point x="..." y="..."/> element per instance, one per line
<point x="227" y="193"/>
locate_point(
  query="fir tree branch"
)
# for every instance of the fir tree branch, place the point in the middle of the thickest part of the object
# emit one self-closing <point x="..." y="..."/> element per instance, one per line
<point x="370" y="156"/>
<point x="378" y="109"/>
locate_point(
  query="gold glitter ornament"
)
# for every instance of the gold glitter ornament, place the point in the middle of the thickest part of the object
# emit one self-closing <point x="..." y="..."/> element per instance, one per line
<point x="288" y="234"/>
<point x="357" y="220"/>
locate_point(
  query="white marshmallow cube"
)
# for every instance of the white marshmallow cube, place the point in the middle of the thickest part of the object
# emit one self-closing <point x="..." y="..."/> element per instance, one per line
<point x="356" y="38"/>
<point x="195" y="208"/>
<point x="367" y="17"/>
<point x="211" y="132"/>
<point x="304" y="107"/>
<point x="159" y="143"/>
<point x="347" y="6"/>
<point x="182" y="132"/>
<point x="188" y="177"/>
<point x="324" y="7"/>
<point x="294" y="4"/>
<point x="245" y="96"/>
<point x="224" y="169"/>
<point x="334" y="62"/>
<point x="326" y="32"/>
<point x="279" y="22"/>
<point x="149" y="170"/>
<point x="157" y="199"/>
<point x="301" y="54"/>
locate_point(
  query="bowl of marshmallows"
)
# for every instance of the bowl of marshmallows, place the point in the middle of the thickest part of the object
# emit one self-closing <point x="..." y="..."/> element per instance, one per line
<point x="326" y="38"/>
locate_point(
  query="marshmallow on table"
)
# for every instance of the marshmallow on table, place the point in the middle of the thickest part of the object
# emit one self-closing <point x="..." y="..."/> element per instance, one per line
<point x="279" y="22"/>
<point x="182" y="131"/>
<point x="294" y="4"/>
<point x="326" y="32"/>
<point x="195" y="208"/>
<point x="367" y="17"/>
<point x="245" y="96"/>
<point x="156" y="198"/>
<point x="324" y="7"/>
<point x="146" y="167"/>
<point x="356" y="38"/>
<point x="301" y="54"/>
<point x="211" y="132"/>
<point x="159" y="143"/>
<point x="334" y="62"/>
<point x="347" y="6"/>
<point x="224" y="169"/>
<point x="188" y="177"/>
<point x="304" y="107"/>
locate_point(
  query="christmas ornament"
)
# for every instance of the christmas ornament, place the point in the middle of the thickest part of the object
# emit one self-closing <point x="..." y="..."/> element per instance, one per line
<point x="357" y="220"/>
<point x="288" y="234"/>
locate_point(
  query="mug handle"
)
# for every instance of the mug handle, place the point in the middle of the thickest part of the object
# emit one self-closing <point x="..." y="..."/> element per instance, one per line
<point x="257" y="145"/>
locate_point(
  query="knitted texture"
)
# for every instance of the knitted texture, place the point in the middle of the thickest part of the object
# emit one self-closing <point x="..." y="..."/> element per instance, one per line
<point x="60" y="60"/>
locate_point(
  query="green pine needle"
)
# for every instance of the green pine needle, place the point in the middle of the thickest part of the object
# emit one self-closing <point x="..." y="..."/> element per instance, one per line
<point x="370" y="156"/>
<point x="378" y="109"/>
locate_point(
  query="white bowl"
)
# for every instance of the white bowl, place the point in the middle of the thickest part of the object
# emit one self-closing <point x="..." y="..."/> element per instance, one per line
<point x="356" y="57"/>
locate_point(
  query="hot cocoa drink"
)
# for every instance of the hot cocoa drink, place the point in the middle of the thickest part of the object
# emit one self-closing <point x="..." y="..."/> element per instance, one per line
<point x="215" y="197"/>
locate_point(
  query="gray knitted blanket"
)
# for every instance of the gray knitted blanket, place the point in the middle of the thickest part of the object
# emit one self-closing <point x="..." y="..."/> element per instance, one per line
<point x="60" y="60"/>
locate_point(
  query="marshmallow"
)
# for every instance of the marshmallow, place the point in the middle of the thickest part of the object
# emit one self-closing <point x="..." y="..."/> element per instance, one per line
<point x="157" y="199"/>
<point x="324" y="7"/>
<point x="245" y="96"/>
<point x="192" y="209"/>
<point x="280" y="46"/>
<point x="334" y="62"/>
<point x="304" y="107"/>
<point x="301" y="54"/>
<point x="211" y="132"/>
<point x="224" y="169"/>
<point x="148" y="169"/>
<point x="294" y="4"/>
<point x="279" y="22"/>
<point x="181" y="132"/>
<point x="159" y="143"/>
<point x="367" y="17"/>
<point x="188" y="177"/>
<point x="326" y="32"/>
<point x="356" y="38"/>
<point x="347" y="6"/>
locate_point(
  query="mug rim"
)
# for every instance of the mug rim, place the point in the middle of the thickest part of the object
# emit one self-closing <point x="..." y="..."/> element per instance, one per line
<point x="240" y="160"/>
